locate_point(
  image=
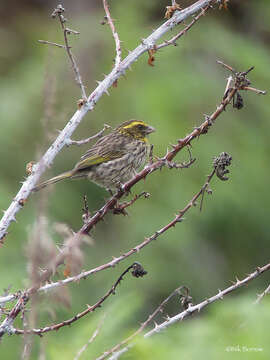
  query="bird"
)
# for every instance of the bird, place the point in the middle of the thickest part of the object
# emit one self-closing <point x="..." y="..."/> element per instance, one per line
<point x="114" y="159"/>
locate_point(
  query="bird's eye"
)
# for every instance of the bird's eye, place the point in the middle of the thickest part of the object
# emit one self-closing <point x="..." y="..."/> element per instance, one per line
<point x="140" y="127"/>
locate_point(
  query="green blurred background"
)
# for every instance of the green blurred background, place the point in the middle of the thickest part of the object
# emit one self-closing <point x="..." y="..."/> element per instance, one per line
<point x="228" y="238"/>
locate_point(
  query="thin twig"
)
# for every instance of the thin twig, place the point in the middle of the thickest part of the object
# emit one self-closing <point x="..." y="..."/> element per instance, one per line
<point x="52" y="43"/>
<point x="173" y="40"/>
<point x="239" y="80"/>
<point x="142" y="327"/>
<point x="196" y="308"/>
<point x="120" y="208"/>
<point x="91" y="138"/>
<point x="7" y="325"/>
<point x="203" y="304"/>
<point x="110" y="204"/>
<point x="137" y="271"/>
<point x="227" y="67"/>
<point x="260" y="296"/>
<point x="114" y="33"/>
<point x="257" y="91"/>
<point x="103" y="86"/>
<point x="92" y="338"/>
<point x="83" y="275"/>
<point x="59" y="13"/>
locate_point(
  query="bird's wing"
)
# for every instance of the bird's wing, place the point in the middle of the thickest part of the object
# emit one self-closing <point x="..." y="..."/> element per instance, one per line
<point x="87" y="160"/>
<point x="107" y="148"/>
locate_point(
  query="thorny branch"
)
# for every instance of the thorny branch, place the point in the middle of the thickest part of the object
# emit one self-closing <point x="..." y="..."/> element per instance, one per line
<point x="191" y="309"/>
<point x="219" y="170"/>
<point x="109" y="19"/>
<point x="152" y="166"/>
<point x="92" y="338"/>
<point x="137" y="271"/>
<point x="240" y="80"/>
<point x="260" y="296"/>
<point x="103" y="86"/>
<point x="60" y="259"/>
<point x="58" y="11"/>
<point x="173" y="40"/>
<point x="143" y="325"/>
<point x="120" y="208"/>
<point x="91" y="138"/>
<point x="219" y="296"/>
<point x="7" y="324"/>
<point x="52" y="43"/>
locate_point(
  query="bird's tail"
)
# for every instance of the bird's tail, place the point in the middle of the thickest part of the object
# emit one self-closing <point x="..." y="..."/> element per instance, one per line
<point x="63" y="176"/>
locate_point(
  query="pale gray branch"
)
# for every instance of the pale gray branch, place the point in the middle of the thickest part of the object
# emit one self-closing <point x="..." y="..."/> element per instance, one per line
<point x="91" y="138"/>
<point x="115" y="35"/>
<point x="64" y="136"/>
<point x="92" y="338"/>
<point x="195" y="308"/>
<point x="260" y="296"/>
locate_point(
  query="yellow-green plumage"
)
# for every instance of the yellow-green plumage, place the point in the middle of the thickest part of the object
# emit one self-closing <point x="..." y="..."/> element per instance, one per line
<point x="113" y="159"/>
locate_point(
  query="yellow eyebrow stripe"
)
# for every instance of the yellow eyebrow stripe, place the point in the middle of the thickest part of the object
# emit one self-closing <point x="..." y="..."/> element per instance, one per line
<point x="134" y="123"/>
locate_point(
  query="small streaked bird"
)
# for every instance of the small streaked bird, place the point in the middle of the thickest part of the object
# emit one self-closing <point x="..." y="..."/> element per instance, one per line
<point x="113" y="159"/>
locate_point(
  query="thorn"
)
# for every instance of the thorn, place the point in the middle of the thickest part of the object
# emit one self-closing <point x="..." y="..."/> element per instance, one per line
<point x="156" y="325"/>
<point x="220" y="293"/>
<point x="107" y="92"/>
<point x="12" y="218"/>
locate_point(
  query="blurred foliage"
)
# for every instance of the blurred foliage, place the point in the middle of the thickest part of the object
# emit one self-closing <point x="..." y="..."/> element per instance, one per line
<point x="207" y="250"/>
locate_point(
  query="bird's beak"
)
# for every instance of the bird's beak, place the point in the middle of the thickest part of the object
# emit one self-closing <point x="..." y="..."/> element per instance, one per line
<point x="150" y="129"/>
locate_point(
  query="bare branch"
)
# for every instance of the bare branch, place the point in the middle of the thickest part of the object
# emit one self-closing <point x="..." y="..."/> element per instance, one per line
<point x="260" y="296"/>
<point x="173" y="40"/>
<point x="227" y="67"/>
<point x="239" y="81"/>
<point x="229" y="82"/>
<point x="59" y="143"/>
<point x="137" y="271"/>
<point x="257" y="91"/>
<point x="60" y="258"/>
<point x="114" y="33"/>
<point x="92" y="338"/>
<point x="91" y="138"/>
<point x="219" y="296"/>
<point x="152" y="166"/>
<point x="120" y="208"/>
<point x="141" y="328"/>
<point x="58" y="11"/>
<point x="193" y="309"/>
<point x="7" y="325"/>
<point x="52" y="43"/>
